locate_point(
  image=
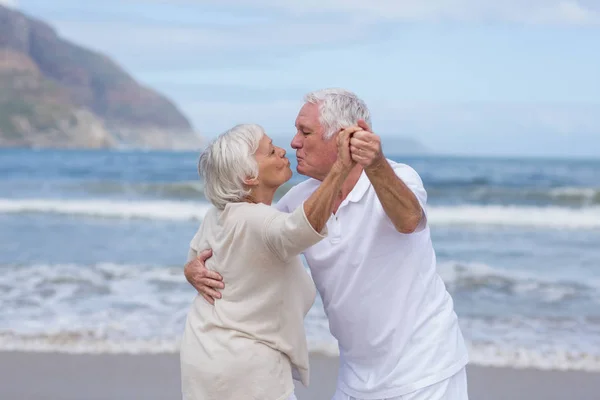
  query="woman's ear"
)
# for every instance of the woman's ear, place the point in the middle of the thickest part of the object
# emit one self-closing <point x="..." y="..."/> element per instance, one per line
<point x="251" y="181"/>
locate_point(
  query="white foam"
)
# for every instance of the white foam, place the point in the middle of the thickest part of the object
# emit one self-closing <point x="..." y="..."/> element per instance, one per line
<point x="483" y="354"/>
<point x="494" y="355"/>
<point x="587" y="193"/>
<point x="544" y="217"/>
<point x="73" y="343"/>
<point x="516" y="282"/>
<point x="137" y="309"/>
<point x="453" y="270"/>
<point x="161" y="210"/>
<point x="539" y="217"/>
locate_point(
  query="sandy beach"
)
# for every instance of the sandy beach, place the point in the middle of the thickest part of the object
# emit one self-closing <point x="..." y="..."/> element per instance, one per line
<point x="49" y="376"/>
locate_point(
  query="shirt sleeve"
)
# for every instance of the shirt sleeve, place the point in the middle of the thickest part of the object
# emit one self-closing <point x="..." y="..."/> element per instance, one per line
<point x="289" y="234"/>
<point x="411" y="178"/>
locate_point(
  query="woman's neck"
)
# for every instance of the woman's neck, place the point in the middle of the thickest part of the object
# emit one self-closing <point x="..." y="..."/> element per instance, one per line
<point x="262" y="195"/>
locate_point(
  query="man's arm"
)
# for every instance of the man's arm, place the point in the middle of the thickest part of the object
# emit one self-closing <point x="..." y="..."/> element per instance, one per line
<point x="398" y="201"/>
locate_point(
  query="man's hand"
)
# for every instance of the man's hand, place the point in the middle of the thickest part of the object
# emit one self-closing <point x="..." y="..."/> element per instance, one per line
<point x="344" y="159"/>
<point x="202" y="279"/>
<point x="365" y="147"/>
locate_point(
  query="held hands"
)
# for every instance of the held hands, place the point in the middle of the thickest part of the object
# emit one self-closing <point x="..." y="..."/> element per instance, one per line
<point x="365" y="146"/>
<point x="344" y="161"/>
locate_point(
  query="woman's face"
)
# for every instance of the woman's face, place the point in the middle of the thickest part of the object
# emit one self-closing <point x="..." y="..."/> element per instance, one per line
<point x="273" y="166"/>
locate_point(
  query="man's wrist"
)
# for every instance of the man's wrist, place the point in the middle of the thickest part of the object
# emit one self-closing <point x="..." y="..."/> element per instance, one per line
<point x="339" y="170"/>
<point x="377" y="165"/>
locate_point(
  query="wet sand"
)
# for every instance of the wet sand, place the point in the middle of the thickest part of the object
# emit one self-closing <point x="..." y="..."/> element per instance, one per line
<point x="49" y="376"/>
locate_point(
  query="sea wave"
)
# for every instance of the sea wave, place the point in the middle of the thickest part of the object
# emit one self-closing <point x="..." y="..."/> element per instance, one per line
<point x="468" y="278"/>
<point x="561" y="359"/>
<point x="160" y="209"/>
<point x="508" y="195"/>
<point x="178" y="190"/>
<point x="516" y="216"/>
<point x="476" y="190"/>
<point x="483" y="354"/>
<point x="474" y="215"/>
<point x="585" y="195"/>
<point x="130" y="308"/>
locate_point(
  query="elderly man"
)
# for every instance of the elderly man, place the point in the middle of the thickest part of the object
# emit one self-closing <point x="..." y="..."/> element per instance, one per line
<point x="395" y="323"/>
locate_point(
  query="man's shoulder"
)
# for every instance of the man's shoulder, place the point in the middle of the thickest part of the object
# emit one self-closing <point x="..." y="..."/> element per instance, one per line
<point x="398" y="166"/>
<point x="297" y="194"/>
<point x="405" y="172"/>
<point x="307" y="186"/>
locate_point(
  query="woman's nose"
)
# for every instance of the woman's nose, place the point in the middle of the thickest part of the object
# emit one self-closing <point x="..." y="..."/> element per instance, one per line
<point x="282" y="152"/>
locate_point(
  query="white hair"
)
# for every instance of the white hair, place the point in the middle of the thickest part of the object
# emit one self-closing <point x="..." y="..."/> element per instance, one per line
<point x="227" y="162"/>
<point x="338" y="108"/>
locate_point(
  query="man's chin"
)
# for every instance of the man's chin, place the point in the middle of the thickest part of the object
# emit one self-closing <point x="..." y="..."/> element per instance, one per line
<point x="300" y="170"/>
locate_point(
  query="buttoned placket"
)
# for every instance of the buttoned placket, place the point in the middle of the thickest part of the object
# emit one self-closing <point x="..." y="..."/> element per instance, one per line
<point x="334" y="225"/>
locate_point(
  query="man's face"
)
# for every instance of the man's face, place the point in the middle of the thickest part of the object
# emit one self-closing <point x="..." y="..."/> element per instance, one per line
<point x="315" y="155"/>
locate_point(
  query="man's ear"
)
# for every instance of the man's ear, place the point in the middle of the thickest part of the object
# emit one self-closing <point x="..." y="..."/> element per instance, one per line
<point x="251" y="181"/>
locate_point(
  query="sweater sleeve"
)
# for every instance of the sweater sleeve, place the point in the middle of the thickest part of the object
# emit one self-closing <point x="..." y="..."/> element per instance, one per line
<point x="288" y="235"/>
<point x="192" y="253"/>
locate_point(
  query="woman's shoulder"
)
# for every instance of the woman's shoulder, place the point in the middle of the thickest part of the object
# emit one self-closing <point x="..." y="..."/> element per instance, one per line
<point x="235" y="219"/>
<point x="250" y="214"/>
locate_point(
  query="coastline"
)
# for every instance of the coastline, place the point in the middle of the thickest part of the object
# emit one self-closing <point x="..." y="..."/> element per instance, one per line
<point x="58" y="376"/>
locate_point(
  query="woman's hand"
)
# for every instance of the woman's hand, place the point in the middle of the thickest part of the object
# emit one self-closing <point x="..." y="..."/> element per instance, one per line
<point x="205" y="281"/>
<point x="345" y="161"/>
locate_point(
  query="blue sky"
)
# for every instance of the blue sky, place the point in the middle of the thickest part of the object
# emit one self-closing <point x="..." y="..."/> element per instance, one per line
<point x="485" y="77"/>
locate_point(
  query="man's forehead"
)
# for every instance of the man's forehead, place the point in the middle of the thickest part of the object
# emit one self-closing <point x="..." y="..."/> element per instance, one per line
<point x="305" y="119"/>
<point x="301" y="121"/>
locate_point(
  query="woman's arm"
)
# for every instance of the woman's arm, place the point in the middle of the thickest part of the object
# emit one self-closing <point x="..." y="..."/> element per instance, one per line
<point x="319" y="206"/>
<point x="317" y="209"/>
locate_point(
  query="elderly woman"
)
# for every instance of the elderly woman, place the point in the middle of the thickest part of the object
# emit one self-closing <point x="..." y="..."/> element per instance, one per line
<point x="249" y="344"/>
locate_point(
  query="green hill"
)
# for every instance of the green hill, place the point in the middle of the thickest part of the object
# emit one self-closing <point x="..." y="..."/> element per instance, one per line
<point x="56" y="94"/>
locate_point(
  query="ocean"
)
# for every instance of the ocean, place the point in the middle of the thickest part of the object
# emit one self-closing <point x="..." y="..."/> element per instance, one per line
<point x="93" y="243"/>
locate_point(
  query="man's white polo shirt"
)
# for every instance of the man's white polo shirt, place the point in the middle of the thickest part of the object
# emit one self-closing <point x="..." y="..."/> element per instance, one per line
<point x="387" y="306"/>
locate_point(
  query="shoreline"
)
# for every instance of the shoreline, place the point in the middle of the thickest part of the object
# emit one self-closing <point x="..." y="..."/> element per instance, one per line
<point x="60" y="376"/>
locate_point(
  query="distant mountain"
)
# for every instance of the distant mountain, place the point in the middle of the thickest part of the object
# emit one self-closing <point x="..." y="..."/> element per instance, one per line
<point x="56" y="94"/>
<point x="400" y="145"/>
<point x="392" y="145"/>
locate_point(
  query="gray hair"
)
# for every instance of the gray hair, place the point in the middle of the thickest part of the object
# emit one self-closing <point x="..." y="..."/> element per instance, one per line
<point x="338" y="108"/>
<point x="227" y="162"/>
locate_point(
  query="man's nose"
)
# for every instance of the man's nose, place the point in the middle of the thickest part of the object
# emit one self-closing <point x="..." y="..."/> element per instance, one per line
<point x="296" y="142"/>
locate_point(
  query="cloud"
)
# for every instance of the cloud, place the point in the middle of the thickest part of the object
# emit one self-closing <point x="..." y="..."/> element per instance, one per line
<point x="213" y="117"/>
<point x="479" y="128"/>
<point x="193" y="38"/>
<point x="496" y="128"/>
<point x="9" y="3"/>
<point x="546" y="12"/>
<point x="486" y="120"/>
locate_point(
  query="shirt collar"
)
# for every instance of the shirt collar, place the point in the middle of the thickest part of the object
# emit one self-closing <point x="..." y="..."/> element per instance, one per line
<point x="359" y="190"/>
